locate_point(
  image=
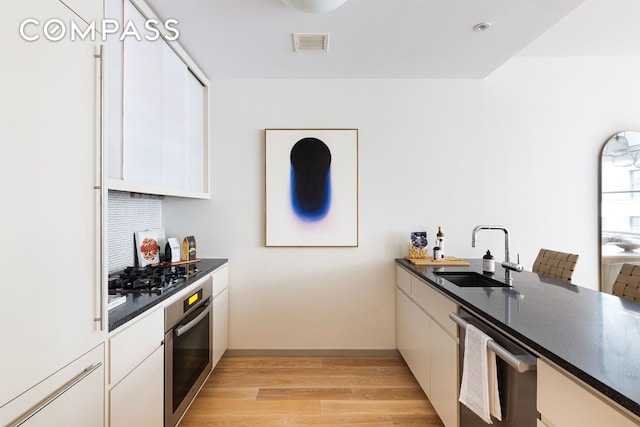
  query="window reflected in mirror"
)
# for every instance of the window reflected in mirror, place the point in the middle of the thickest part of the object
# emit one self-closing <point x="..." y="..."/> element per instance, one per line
<point x="619" y="205"/>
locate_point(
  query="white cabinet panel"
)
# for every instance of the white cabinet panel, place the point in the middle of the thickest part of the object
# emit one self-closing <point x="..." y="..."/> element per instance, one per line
<point x="220" y="331"/>
<point x="112" y="86"/>
<point x="174" y="81"/>
<point x="430" y="350"/>
<point x="563" y="402"/>
<point x="220" y="280"/>
<point x="220" y="325"/>
<point x="134" y="342"/>
<point x="142" y="105"/>
<point x="433" y="302"/>
<point x="156" y="124"/>
<point x="403" y="280"/>
<point x="403" y="325"/>
<point x="138" y="400"/>
<point x="73" y="396"/>
<point x="48" y="125"/>
<point x="421" y="347"/>
<point x="196" y="154"/>
<point x="444" y="375"/>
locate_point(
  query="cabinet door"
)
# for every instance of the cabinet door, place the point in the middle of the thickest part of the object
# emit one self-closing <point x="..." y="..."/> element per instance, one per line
<point x="138" y="400"/>
<point x="142" y="105"/>
<point x="174" y="81"/>
<point x="403" y="325"/>
<point x="196" y="150"/>
<point x="51" y="216"/>
<point x="112" y="85"/>
<point x="583" y="408"/>
<point x="421" y="348"/>
<point x="220" y="325"/>
<point x="444" y="375"/>
<point x="133" y="342"/>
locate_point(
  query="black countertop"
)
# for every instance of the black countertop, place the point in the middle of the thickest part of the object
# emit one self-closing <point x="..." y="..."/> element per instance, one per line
<point x="592" y="335"/>
<point x="138" y="303"/>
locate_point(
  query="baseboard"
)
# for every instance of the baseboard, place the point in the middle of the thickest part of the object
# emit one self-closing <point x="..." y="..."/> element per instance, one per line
<point x="390" y="353"/>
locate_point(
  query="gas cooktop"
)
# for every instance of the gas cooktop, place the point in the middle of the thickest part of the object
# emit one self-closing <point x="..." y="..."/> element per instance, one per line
<point x="152" y="278"/>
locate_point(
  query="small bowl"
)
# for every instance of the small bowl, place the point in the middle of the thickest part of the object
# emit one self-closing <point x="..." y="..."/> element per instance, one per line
<point x="628" y="245"/>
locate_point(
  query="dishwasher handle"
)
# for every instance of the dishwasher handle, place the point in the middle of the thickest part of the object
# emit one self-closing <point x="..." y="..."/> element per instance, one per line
<point x="521" y="363"/>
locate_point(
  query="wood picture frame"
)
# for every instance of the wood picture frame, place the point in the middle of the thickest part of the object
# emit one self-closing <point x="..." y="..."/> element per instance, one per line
<point x="311" y="187"/>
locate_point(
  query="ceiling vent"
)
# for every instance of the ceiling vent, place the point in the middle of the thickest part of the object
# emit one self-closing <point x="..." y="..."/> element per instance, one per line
<point x="303" y="42"/>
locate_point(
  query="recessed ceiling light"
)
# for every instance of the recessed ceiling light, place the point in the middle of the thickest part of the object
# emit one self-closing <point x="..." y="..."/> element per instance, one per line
<point x="483" y="26"/>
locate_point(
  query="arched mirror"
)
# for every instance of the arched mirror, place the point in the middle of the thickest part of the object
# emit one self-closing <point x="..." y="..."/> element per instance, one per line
<point x="619" y="205"/>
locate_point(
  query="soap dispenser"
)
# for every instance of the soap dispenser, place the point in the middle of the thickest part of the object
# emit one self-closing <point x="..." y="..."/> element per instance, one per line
<point x="488" y="263"/>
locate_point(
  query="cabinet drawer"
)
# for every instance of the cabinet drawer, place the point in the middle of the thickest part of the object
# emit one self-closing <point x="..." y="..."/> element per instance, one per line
<point x="220" y="280"/>
<point x="403" y="280"/>
<point x="73" y="396"/>
<point x="433" y="302"/>
<point x="131" y="345"/>
<point x="564" y="402"/>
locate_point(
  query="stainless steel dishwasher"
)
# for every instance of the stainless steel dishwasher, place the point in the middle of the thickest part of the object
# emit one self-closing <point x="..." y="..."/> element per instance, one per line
<point x="516" y="376"/>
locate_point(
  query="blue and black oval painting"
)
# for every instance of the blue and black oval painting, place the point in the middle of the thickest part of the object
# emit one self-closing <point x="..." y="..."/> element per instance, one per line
<point x="310" y="179"/>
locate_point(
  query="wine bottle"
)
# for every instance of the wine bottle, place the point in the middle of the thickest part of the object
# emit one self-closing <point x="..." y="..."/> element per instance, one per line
<point x="440" y="238"/>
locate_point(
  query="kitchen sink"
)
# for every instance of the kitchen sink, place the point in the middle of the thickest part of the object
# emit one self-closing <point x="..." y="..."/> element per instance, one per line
<point x="470" y="279"/>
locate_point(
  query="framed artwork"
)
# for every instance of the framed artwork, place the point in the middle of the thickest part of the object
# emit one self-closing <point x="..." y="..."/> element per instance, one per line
<point x="311" y="187"/>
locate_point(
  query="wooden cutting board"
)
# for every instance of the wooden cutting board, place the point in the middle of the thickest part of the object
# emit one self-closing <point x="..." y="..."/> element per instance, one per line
<point x="448" y="260"/>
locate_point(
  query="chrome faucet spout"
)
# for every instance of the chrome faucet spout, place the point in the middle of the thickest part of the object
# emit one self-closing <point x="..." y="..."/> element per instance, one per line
<point x="493" y="227"/>
<point x="507" y="264"/>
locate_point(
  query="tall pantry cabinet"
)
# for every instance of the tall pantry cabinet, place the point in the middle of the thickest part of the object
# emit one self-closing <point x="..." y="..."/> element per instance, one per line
<point x="52" y="309"/>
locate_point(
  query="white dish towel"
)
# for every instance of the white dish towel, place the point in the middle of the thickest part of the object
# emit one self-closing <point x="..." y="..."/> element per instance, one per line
<point x="479" y="389"/>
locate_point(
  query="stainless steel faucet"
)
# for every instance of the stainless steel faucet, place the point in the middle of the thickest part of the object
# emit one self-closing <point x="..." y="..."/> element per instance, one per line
<point x="507" y="264"/>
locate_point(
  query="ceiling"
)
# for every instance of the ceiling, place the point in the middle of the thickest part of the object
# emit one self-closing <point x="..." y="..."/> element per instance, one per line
<point x="396" y="38"/>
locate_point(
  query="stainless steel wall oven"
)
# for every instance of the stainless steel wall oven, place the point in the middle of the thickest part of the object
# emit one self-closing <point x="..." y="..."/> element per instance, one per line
<point x="188" y="349"/>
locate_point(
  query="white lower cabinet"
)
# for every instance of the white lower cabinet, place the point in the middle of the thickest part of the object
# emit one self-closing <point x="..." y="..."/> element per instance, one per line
<point x="403" y="325"/>
<point x="220" y="329"/>
<point x="420" y="343"/>
<point x="444" y="375"/>
<point x="73" y="396"/>
<point x="136" y="372"/>
<point x="220" y="325"/>
<point x="426" y="338"/>
<point x="138" y="399"/>
<point x="564" y="402"/>
<point x="413" y="331"/>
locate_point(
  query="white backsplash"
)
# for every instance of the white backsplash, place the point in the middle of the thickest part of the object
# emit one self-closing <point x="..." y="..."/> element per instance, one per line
<point x="126" y="215"/>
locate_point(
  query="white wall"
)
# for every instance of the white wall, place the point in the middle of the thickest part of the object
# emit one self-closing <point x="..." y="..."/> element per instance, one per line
<point x="520" y="148"/>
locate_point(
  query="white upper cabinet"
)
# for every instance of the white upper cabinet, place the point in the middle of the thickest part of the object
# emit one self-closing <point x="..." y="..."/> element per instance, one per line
<point x="142" y="105"/>
<point x="196" y="126"/>
<point x="173" y="139"/>
<point x="157" y="132"/>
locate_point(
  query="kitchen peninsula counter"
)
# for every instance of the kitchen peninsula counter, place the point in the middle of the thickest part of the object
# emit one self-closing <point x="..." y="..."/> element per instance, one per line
<point x="138" y="303"/>
<point x="592" y="335"/>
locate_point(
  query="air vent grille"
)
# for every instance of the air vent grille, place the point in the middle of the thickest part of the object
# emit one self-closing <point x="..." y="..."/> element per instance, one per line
<point x="306" y="42"/>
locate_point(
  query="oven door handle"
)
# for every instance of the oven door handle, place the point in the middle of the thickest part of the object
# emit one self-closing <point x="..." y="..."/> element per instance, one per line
<point x="186" y="328"/>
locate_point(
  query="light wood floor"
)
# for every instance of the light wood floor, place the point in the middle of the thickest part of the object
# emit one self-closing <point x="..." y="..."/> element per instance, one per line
<point x="311" y="391"/>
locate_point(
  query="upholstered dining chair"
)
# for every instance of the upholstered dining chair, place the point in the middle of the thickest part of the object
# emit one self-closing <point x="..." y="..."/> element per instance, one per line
<point x="557" y="265"/>
<point x="627" y="284"/>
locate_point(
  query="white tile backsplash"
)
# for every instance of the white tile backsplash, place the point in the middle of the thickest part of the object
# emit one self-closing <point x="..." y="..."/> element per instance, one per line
<point x="126" y="215"/>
